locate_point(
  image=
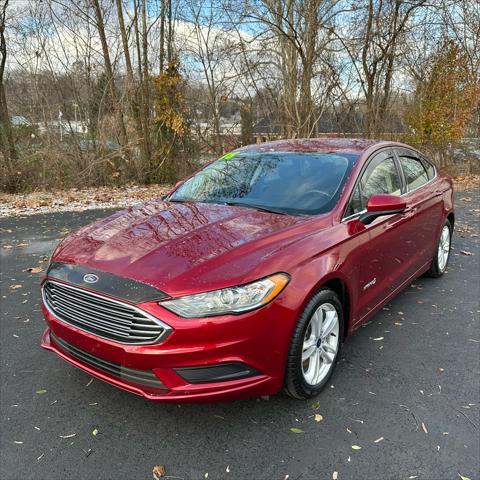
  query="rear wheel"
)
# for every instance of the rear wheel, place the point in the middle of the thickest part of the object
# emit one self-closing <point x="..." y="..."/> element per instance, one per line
<point x="442" y="254"/>
<point x="315" y="345"/>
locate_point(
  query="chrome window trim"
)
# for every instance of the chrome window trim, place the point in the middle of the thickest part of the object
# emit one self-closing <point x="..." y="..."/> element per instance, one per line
<point x="353" y="215"/>
<point x="167" y="329"/>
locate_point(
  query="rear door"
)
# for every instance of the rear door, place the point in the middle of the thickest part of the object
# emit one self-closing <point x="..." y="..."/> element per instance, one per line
<point x="424" y="206"/>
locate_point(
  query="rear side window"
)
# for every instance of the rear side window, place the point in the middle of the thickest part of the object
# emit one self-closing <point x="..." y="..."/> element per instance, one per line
<point x="429" y="167"/>
<point x="414" y="171"/>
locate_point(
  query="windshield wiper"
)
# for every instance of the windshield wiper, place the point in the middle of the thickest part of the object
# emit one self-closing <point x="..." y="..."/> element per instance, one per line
<point x="256" y="207"/>
<point x="233" y="204"/>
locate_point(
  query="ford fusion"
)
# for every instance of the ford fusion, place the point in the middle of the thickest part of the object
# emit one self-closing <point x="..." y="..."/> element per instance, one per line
<point x="248" y="276"/>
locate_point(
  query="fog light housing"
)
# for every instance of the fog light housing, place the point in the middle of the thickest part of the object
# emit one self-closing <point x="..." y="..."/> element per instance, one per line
<point x="222" y="372"/>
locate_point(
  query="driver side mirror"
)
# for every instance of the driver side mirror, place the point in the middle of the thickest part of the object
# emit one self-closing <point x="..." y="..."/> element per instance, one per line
<point x="382" y="204"/>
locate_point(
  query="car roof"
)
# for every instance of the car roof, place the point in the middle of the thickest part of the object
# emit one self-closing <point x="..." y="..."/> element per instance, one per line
<point x="345" y="145"/>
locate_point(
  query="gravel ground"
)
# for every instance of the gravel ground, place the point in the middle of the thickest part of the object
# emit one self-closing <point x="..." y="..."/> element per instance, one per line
<point x="410" y="400"/>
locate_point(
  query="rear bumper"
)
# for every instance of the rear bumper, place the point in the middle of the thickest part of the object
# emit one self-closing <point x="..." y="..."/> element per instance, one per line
<point x="257" y="340"/>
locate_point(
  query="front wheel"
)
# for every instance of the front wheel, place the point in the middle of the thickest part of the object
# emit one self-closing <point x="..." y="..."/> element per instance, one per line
<point x="442" y="254"/>
<point x="315" y="345"/>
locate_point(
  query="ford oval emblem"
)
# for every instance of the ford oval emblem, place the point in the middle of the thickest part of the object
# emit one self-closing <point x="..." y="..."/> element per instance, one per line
<point x="90" y="278"/>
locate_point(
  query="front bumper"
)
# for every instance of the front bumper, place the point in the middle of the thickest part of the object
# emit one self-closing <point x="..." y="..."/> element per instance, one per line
<point x="258" y="340"/>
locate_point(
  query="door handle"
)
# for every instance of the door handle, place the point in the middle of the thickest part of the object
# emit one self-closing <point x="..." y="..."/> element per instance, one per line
<point x="438" y="193"/>
<point x="409" y="211"/>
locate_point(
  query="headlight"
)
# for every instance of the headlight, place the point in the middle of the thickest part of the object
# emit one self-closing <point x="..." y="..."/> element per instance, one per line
<point x="229" y="300"/>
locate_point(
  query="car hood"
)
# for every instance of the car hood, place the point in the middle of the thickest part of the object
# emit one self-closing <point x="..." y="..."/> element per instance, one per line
<point x="181" y="248"/>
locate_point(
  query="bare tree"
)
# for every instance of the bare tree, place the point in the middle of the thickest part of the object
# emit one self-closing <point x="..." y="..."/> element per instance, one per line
<point x="375" y="53"/>
<point x="109" y="72"/>
<point x="7" y="144"/>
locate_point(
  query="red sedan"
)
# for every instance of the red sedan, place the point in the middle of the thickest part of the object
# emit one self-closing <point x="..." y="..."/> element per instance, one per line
<point x="248" y="276"/>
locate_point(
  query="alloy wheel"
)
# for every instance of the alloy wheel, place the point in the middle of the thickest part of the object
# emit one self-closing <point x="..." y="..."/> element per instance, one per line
<point x="443" y="248"/>
<point x="320" y="344"/>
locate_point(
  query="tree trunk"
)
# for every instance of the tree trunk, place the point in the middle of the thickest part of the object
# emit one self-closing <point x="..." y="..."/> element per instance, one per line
<point x="170" y="35"/>
<point x="132" y="91"/>
<point x="145" y="82"/>
<point x="109" y="73"/>
<point x="162" y="36"/>
<point x="7" y="144"/>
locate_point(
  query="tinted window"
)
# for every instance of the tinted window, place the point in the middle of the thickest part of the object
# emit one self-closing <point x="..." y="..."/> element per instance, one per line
<point x="381" y="176"/>
<point x="302" y="183"/>
<point x="414" y="171"/>
<point x="429" y="167"/>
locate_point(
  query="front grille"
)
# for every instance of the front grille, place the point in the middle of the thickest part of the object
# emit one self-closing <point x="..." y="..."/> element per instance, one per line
<point x="141" y="377"/>
<point x="101" y="315"/>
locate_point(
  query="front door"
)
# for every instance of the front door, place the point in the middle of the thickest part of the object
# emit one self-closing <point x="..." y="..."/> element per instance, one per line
<point x="382" y="248"/>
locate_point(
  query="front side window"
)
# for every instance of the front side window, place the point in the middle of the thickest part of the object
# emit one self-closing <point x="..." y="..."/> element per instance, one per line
<point x="286" y="182"/>
<point x="381" y="176"/>
<point x="414" y="171"/>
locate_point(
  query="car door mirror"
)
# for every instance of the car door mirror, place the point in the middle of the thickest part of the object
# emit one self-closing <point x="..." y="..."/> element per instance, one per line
<point x="382" y="204"/>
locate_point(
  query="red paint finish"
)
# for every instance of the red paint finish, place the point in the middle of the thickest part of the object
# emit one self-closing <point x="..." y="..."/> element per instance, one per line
<point x="183" y="249"/>
<point x="385" y="202"/>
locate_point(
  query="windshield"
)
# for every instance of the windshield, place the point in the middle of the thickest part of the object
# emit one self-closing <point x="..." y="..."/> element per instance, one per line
<point x="283" y="182"/>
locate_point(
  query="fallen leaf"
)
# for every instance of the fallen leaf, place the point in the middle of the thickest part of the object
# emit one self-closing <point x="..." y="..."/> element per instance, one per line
<point x="68" y="436"/>
<point x="34" y="270"/>
<point x="316" y="405"/>
<point x="378" y="440"/>
<point x="424" y="428"/>
<point x="14" y="287"/>
<point x="228" y="469"/>
<point x="40" y="392"/>
<point x="356" y="447"/>
<point x="463" y="477"/>
<point x="466" y="252"/>
<point x="95" y="432"/>
<point x="158" y="471"/>
<point x="296" y="430"/>
<point x="206" y="475"/>
<point x="318" y="417"/>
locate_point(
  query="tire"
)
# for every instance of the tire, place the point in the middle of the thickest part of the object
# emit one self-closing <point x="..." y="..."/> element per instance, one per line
<point x="301" y="380"/>
<point x="439" y="262"/>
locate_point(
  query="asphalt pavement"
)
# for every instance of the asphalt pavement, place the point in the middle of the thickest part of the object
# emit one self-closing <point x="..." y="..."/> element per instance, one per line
<point x="402" y="404"/>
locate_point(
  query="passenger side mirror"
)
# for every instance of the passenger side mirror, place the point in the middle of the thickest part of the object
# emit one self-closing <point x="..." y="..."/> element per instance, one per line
<point x="382" y="204"/>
